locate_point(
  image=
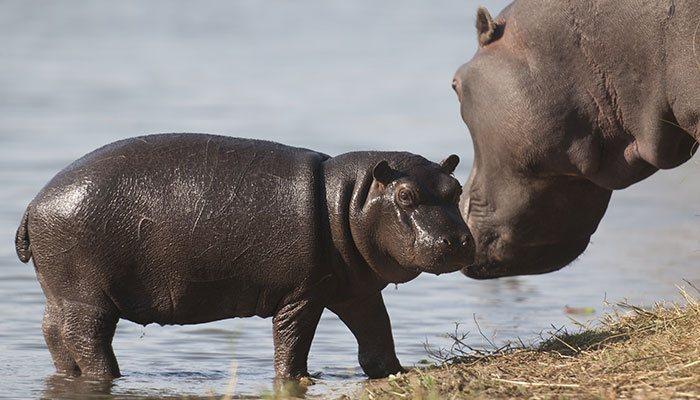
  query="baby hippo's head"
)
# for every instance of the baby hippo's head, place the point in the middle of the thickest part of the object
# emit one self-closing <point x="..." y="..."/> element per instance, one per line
<point x="412" y="209"/>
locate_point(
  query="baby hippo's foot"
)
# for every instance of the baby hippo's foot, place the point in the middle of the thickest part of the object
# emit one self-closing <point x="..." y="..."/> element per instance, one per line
<point x="379" y="364"/>
<point x="292" y="387"/>
<point x="367" y="318"/>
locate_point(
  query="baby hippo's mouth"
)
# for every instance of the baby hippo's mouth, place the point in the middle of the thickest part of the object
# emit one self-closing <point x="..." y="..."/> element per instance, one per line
<point x="437" y="260"/>
<point x="396" y="272"/>
<point x="448" y="255"/>
<point x="443" y="268"/>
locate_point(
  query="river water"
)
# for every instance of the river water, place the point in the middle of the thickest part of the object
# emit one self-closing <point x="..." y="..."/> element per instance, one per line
<point x="334" y="76"/>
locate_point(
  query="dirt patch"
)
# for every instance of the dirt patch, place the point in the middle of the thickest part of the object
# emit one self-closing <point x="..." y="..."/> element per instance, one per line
<point x="633" y="353"/>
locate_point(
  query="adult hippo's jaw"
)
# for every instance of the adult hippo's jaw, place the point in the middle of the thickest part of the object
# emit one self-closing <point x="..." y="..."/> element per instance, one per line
<point x="563" y="108"/>
<point x="544" y="258"/>
<point x="532" y="226"/>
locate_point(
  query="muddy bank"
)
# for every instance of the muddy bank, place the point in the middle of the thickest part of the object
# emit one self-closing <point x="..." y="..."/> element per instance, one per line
<point x="633" y="353"/>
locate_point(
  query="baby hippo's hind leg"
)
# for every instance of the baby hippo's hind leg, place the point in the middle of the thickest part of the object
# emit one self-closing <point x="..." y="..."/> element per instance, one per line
<point x="52" y="326"/>
<point x="87" y="334"/>
<point x="369" y="323"/>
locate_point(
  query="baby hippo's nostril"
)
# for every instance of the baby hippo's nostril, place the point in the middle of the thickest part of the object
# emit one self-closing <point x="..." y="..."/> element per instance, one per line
<point x="455" y="84"/>
<point x="455" y="242"/>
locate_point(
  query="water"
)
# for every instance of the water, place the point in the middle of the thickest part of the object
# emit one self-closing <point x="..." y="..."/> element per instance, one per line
<point x="333" y="76"/>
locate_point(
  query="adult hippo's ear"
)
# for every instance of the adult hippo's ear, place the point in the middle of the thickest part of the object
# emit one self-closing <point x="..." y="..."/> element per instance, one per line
<point x="449" y="164"/>
<point x="487" y="29"/>
<point x="383" y="173"/>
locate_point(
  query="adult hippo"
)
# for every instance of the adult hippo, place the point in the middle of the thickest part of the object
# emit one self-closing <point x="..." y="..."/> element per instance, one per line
<point x="567" y="101"/>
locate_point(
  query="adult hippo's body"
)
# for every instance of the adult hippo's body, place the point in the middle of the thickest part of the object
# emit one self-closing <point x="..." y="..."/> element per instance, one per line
<point x="191" y="228"/>
<point x="566" y="101"/>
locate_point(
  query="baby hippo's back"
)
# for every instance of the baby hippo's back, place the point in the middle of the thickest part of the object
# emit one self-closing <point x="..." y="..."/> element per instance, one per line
<point x="182" y="228"/>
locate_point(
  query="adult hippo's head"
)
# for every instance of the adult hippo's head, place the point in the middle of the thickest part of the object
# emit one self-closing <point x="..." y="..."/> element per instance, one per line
<point x="556" y="126"/>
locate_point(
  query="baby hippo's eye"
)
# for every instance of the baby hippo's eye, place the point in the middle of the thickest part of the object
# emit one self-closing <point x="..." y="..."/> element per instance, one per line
<point x="405" y="197"/>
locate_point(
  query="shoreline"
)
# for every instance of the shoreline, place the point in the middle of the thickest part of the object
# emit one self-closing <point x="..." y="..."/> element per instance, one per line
<point x="631" y="353"/>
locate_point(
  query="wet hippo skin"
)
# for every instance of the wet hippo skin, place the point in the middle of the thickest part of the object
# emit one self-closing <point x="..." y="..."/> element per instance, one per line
<point x="192" y="228"/>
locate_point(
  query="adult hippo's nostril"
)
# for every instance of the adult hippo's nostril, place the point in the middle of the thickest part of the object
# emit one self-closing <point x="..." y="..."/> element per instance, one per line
<point x="466" y="240"/>
<point x="445" y="241"/>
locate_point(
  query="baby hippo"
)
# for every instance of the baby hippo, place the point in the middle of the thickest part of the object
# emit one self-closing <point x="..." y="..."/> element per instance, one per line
<point x="193" y="228"/>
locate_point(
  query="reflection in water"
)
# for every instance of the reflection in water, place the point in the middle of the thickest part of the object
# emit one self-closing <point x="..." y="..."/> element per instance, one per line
<point x="508" y="290"/>
<point x="521" y="293"/>
<point x="58" y="386"/>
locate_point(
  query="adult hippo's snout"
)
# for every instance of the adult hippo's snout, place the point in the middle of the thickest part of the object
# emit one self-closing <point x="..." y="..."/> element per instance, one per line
<point x="539" y="259"/>
<point x="528" y="227"/>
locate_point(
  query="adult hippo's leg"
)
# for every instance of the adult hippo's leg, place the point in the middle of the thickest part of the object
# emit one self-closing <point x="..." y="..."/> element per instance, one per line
<point x="52" y="326"/>
<point x="294" y="327"/>
<point x="367" y="319"/>
<point x="87" y="333"/>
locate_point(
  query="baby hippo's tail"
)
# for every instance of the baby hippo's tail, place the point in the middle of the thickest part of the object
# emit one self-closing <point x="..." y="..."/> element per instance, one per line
<point x="24" y="252"/>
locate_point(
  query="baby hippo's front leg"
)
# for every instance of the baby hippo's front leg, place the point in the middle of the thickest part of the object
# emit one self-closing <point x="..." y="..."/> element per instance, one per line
<point x="369" y="322"/>
<point x="293" y="327"/>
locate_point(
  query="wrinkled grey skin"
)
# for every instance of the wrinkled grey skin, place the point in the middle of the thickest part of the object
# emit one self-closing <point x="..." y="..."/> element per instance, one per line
<point x="189" y="228"/>
<point x="567" y="101"/>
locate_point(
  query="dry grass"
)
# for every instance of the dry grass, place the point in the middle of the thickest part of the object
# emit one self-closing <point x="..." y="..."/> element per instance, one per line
<point x="634" y="353"/>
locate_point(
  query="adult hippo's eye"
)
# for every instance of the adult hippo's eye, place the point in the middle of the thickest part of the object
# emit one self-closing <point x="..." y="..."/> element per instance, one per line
<point x="405" y="197"/>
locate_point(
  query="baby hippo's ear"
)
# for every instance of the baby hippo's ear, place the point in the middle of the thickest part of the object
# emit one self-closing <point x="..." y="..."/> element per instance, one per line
<point x="449" y="164"/>
<point x="383" y="173"/>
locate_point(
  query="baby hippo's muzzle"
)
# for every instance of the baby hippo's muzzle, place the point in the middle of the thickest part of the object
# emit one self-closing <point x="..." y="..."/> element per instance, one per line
<point x="463" y="241"/>
<point x="450" y="253"/>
